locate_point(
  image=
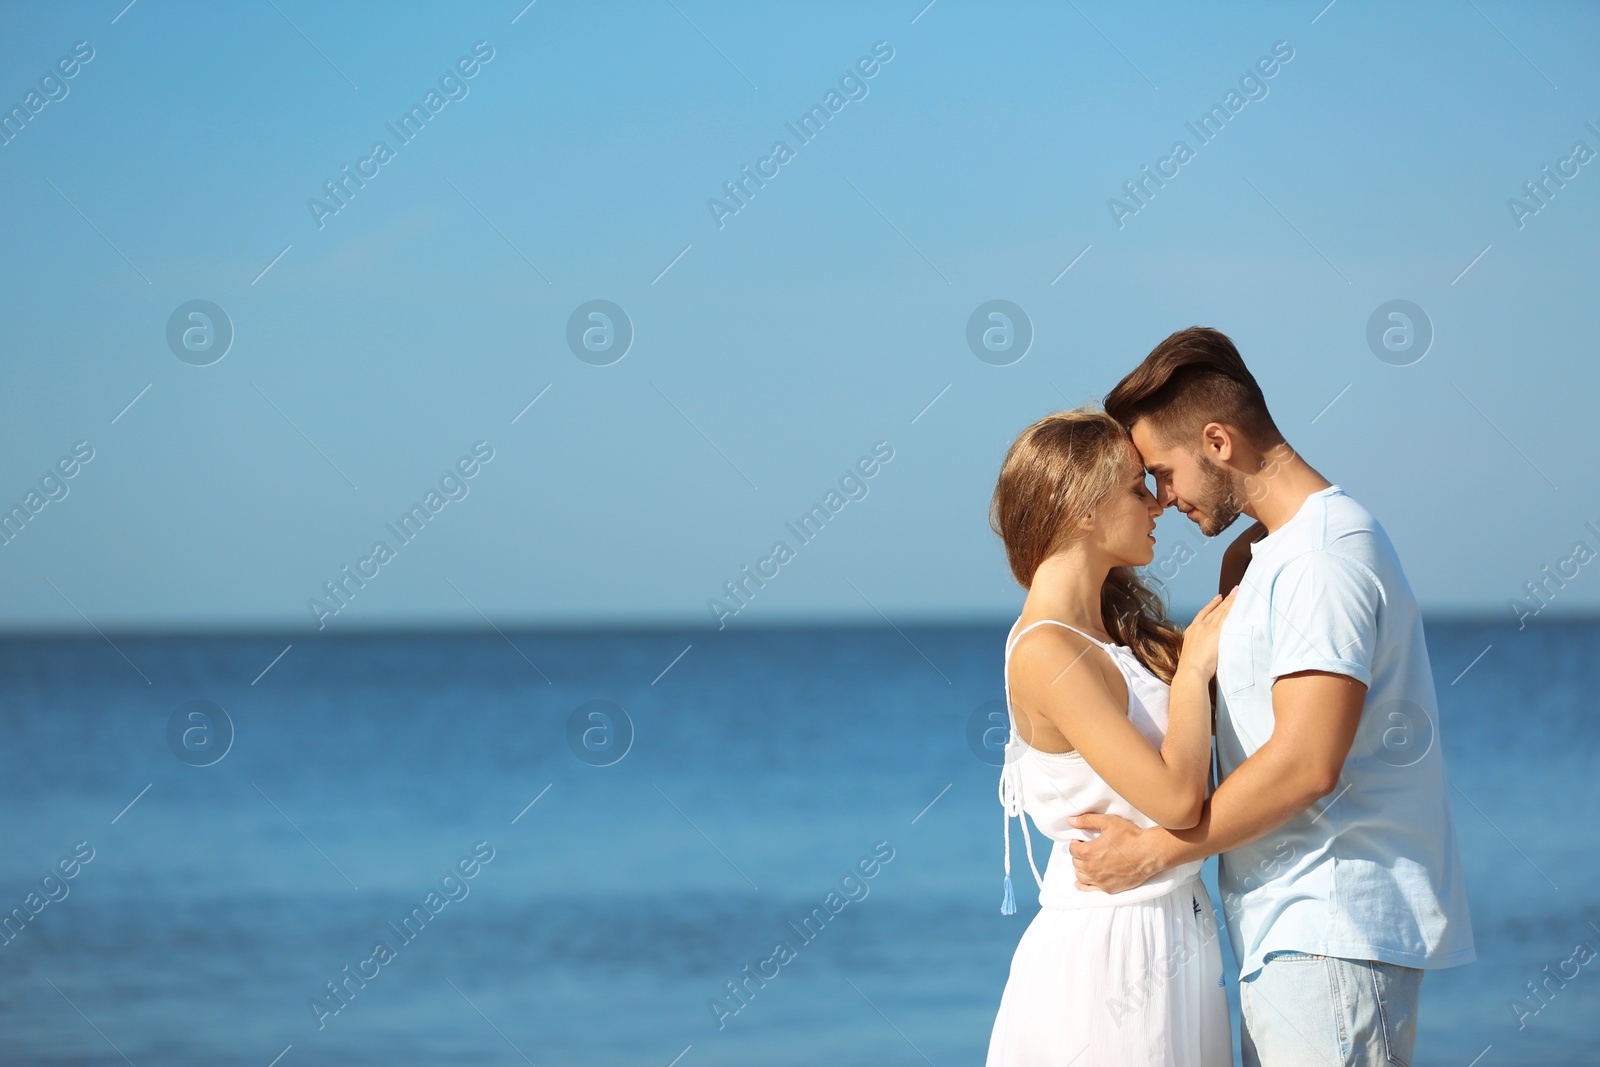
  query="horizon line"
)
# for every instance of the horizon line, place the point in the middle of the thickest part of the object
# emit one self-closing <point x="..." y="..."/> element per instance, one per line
<point x="404" y="628"/>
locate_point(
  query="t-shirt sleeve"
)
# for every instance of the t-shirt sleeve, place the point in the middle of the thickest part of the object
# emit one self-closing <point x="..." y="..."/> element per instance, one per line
<point x="1324" y="617"/>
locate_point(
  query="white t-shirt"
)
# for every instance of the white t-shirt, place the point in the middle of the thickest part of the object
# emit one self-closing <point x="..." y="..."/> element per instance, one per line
<point x="1370" y="871"/>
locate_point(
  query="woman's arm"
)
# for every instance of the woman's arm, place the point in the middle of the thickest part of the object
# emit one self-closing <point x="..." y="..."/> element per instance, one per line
<point x="1052" y="677"/>
<point x="1316" y="715"/>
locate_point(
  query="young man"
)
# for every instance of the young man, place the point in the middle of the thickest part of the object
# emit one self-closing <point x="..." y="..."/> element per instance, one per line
<point x="1339" y="872"/>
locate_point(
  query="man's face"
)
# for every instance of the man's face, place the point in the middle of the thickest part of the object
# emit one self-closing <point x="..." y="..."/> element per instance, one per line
<point x="1197" y="486"/>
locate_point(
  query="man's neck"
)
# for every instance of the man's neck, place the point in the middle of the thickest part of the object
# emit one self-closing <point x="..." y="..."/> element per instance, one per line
<point x="1282" y="486"/>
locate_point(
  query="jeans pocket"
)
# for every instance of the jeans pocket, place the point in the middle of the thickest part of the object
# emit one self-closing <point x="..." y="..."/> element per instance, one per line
<point x="1395" y="989"/>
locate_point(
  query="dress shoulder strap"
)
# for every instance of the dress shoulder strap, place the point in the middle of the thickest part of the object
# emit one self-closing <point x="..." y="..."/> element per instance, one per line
<point x="1053" y="622"/>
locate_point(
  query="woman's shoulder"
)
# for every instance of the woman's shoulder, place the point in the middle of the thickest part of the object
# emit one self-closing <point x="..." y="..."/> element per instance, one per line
<point x="1049" y="655"/>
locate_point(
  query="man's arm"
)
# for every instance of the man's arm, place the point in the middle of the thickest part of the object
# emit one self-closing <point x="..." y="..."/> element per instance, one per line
<point x="1320" y="667"/>
<point x="1236" y="557"/>
<point x="1315" y="713"/>
<point x="1235" y="560"/>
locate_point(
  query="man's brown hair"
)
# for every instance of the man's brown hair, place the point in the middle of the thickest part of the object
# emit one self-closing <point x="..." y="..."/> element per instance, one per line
<point x="1192" y="378"/>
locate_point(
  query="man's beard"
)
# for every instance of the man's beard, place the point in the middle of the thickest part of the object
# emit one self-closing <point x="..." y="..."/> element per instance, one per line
<point x="1219" y="505"/>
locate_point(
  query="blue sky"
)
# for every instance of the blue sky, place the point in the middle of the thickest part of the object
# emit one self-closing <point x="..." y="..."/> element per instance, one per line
<point x="771" y="354"/>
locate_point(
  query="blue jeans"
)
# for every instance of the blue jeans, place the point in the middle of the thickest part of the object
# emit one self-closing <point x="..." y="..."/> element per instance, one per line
<point x="1304" y="1010"/>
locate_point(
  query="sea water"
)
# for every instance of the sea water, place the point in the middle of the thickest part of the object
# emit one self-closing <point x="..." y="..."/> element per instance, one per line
<point x="771" y="846"/>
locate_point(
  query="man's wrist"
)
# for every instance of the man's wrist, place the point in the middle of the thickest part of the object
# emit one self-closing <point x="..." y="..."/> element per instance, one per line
<point x="1163" y="851"/>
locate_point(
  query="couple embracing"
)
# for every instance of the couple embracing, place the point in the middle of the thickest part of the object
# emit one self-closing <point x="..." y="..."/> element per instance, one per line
<point x="1340" y="878"/>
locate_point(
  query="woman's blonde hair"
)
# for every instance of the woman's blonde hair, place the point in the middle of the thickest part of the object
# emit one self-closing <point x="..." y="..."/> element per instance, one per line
<point x="1055" y="474"/>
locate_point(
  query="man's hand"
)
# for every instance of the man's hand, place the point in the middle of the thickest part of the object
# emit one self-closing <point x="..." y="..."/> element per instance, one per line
<point x="1119" y="859"/>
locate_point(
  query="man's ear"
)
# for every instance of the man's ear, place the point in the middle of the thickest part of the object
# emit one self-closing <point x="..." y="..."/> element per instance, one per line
<point x="1217" y="439"/>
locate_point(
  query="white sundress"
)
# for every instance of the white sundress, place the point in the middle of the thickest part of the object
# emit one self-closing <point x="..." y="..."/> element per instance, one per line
<point x="1131" y="979"/>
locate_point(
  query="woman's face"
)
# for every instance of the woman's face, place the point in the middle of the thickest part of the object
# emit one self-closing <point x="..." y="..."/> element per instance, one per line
<point x="1125" y="520"/>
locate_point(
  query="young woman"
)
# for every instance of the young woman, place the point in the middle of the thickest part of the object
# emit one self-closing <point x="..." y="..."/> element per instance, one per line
<point x="1110" y="712"/>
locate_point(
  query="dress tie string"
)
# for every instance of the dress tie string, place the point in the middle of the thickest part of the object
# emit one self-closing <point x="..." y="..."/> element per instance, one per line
<point x="1011" y="804"/>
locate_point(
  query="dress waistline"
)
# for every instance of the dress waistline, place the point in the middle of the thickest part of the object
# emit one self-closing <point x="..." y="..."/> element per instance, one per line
<point x="1058" y="889"/>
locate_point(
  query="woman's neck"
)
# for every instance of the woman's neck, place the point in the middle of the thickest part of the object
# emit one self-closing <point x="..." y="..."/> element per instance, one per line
<point x="1067" y="587"/>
